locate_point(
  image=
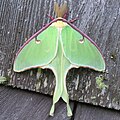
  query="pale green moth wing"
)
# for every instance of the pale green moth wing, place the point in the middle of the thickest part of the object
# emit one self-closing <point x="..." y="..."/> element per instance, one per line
<point x="37" y="53"/>
<point x="80" y="50"/>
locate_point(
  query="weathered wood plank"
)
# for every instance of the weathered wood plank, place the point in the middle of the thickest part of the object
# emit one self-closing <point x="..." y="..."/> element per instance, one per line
<point x="99" y="19"/>
<point x="23" y="105"/>
<point x="88" y="112"/>
<point x="16" y="104"/>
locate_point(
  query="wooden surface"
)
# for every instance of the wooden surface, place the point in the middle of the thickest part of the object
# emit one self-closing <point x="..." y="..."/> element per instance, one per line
<point x="16" y="104"/>
<point x="99" y="19"/>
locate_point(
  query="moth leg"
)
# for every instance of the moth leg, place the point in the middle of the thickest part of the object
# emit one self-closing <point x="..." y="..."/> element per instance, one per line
<point x="51" y="18"/>
<point x="73" y="20"/>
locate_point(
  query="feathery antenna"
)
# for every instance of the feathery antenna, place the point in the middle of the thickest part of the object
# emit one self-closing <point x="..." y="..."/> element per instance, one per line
<point x="60" y="10"/>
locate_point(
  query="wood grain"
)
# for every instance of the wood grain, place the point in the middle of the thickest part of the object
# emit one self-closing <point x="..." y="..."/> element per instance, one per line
<point x="88" y="112"/>
<point x="99" y="19"/>
<point x="16" y="104"/>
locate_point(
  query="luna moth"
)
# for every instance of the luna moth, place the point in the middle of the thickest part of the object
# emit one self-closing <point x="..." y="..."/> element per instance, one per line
<point x="59" y="46"/>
